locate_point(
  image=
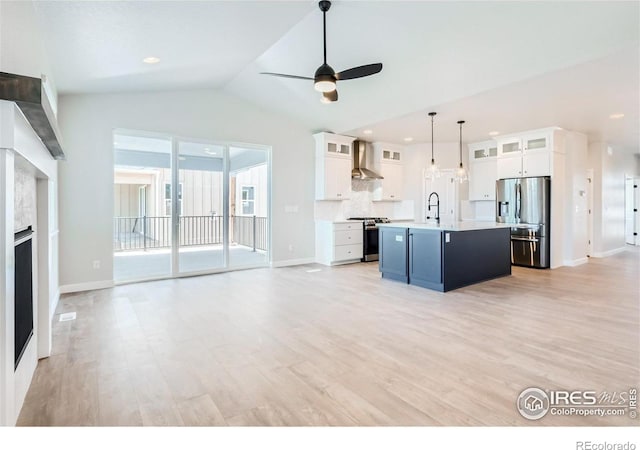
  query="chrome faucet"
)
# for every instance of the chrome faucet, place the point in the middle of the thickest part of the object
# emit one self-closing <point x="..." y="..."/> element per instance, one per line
<point x="437" y="205"/>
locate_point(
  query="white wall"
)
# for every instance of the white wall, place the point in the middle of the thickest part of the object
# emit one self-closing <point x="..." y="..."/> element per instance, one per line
<point x="22" y="49"/>
<point x="86" y="178"/>
<point x="418" y="157"/>
<point x="610" y="169"/>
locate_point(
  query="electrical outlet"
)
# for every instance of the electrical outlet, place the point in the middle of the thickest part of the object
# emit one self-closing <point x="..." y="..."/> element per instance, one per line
<point x="96" y="264"/>
<point x="290" y="247"/>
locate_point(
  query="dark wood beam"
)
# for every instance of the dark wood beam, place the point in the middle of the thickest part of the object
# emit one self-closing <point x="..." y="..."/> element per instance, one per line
<point x="27" y="93"/>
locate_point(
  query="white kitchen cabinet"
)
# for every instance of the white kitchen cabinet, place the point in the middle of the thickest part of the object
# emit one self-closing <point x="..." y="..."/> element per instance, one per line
<point x="483" y="170"/>
<point x="482" y="180"/>
<point x="388" y="162"/>
<point x="333" y="166"/>
<point x="528" y="164"/>
<point x="339" y="242"/>
<point x="525" y="155"/>
<point x="482" y="151"/>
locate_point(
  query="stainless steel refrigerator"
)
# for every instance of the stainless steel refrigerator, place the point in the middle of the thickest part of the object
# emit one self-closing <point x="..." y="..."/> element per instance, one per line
<point x="526" y="203"/>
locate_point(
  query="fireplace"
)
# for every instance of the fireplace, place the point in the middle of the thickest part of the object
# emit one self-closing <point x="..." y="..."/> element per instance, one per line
<point x="23" y="298"/>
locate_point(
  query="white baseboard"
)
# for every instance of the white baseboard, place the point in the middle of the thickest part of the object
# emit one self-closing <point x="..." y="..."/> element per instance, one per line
<point x="293" y="262"/>
<point x="615" y="251"/>
<point x="576" y="262"/>
<point x="90" y="286"/>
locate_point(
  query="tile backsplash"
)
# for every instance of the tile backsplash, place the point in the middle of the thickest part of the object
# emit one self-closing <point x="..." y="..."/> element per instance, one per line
<point x="361" y="204"/>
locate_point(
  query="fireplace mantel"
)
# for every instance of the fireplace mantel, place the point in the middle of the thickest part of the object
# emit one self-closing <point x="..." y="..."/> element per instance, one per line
<point x="28" y="94"/>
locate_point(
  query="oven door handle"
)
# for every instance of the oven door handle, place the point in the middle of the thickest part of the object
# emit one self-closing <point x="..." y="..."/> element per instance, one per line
<point x="526" y="239"/>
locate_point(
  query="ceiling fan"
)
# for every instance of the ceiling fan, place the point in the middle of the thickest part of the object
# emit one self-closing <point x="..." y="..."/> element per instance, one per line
<point x="325" y="77"/>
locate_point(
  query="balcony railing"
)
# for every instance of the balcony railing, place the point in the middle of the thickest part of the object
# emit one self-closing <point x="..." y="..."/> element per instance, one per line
<point x="147" y="232"/>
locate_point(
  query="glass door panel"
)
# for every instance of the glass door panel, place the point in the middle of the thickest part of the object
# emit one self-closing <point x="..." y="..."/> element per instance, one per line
<point x="511" y="147"/>
<point x="248" y="207"/>
<point x="141" y="225"/>
<point x="201" y="208"/>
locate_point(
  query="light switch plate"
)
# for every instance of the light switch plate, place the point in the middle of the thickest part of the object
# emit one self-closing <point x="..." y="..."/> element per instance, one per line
<point x="447" y="237"/>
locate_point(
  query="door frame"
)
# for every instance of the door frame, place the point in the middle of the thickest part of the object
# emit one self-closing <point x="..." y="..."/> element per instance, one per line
<point x="590" y="183"/>
<point x="174" y="271"/>
<point x="450" y="175"/>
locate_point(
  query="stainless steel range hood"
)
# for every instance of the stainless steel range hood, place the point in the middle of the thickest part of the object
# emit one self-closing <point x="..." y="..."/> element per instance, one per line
<point x="360" y="159"/>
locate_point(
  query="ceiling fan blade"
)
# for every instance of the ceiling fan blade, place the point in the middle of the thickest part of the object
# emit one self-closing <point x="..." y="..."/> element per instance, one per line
<point x="284" y="75"/>
<point x="359" y="72"/>
<point x="330" y="96"/>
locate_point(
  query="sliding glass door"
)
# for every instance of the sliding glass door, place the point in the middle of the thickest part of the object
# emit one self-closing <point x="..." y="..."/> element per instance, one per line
<point x="201" y="206"/>
<point x="248" y="206"/>
<point x="142" y="227"/>
<point x="184" y="206"/>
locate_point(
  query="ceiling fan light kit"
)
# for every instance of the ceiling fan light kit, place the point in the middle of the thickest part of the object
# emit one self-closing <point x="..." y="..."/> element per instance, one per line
<point x="325" y="77"/>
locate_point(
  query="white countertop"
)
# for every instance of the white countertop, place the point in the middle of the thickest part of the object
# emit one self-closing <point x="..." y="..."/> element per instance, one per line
<point x="451" y="226"/>
<point x="340" y="221"/>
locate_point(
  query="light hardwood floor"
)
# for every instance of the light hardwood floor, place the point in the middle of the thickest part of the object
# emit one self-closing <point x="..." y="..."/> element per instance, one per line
<point x="339" y="347"/>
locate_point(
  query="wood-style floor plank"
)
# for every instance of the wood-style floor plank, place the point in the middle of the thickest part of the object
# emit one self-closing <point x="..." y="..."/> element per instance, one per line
<point x="339" y="347"/>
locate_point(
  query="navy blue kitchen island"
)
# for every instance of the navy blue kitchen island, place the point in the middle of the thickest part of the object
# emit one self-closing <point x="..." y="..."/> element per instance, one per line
<point x="444" y="256"/>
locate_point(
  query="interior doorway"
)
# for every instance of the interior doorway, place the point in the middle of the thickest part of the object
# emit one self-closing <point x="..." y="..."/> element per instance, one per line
<point x="446" y="188"/>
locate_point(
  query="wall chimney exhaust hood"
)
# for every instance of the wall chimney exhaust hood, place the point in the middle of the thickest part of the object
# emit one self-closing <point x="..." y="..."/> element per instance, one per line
<point x="360" y="157"/>
<point x="28" y="94"/>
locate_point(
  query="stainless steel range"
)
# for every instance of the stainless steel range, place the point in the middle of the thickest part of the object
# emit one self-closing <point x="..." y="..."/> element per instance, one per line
<point x="370" y="236"/>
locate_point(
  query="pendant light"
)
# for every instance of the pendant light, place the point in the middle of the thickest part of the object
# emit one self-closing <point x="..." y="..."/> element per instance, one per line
<point x="461" y="173"/>
<point x="433" y="171"/>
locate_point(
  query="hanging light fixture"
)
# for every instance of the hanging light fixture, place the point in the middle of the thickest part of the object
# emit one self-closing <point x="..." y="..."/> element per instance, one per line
<point x="461" y="173"/>
<point x="433" y="171"/>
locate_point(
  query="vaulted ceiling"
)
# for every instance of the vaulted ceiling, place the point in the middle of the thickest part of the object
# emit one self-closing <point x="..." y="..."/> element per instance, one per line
<point x="504" y="66"/>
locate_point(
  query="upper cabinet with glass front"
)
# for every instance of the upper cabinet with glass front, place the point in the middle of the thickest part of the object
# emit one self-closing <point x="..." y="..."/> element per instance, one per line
<point x="333" y="166"/>
<point x="516" y="145"/>
<point x="483" y="151"/>
<point x="527" y="154"/>
<point x="329" y="144"/>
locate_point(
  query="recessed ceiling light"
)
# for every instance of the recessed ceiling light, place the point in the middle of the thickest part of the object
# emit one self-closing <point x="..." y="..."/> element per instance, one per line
<point x="408" y="139"/>
<point x="616" y="116"/>
<point x="151" y="60"/>
<point x="367" y="131"/>
<point x="494" y="133"/>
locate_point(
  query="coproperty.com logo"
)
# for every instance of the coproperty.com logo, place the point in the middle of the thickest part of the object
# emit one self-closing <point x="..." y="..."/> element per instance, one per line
<point x="535" y="403"/>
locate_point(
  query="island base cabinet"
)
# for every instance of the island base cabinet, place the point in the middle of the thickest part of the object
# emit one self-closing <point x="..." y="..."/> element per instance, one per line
<point x="444" y="260"/>
<point x="393" y="262"/>
<point x="475" y="256"/>
<point x="425" y="258"/>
